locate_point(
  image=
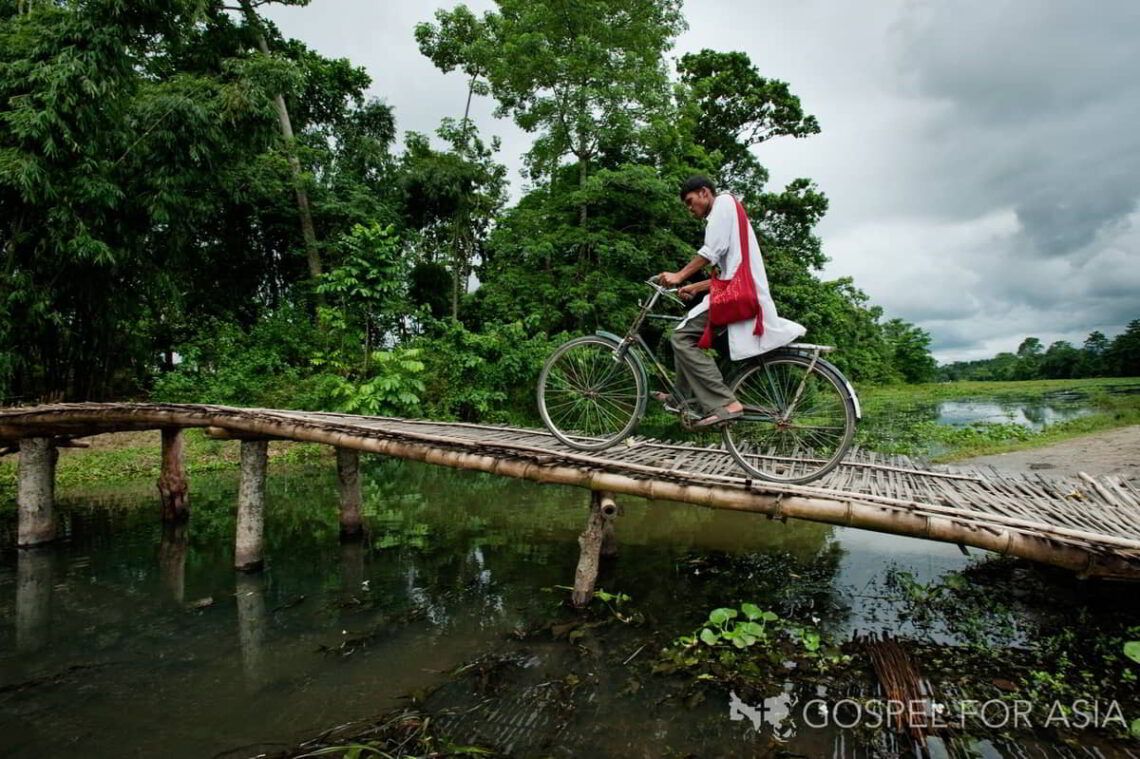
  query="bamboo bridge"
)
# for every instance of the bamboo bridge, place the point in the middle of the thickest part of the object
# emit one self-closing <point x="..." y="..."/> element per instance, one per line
<point x="1087" y="525"/>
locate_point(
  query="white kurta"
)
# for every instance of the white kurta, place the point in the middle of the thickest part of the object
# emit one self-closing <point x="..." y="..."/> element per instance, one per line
<point x="722" y="249"/>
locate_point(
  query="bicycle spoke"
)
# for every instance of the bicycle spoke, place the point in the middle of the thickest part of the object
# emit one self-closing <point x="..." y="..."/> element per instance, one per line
<point x="793" y="445"/>
<point x="589" y="398"/>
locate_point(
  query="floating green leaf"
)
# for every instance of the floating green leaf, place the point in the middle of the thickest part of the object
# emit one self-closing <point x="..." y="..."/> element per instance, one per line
<point x="752" y="611"/>
<point x="720" y="616"/>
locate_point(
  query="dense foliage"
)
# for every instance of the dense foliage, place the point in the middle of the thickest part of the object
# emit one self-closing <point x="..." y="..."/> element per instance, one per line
<point x="196" y="208"/>
<point x="1098" y="357"/>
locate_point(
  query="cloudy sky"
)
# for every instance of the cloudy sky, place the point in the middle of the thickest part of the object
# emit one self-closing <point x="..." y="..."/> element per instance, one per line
<point x="982" y="157"/>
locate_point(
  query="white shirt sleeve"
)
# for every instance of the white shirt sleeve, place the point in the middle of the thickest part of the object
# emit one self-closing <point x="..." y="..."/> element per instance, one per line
<point x="718" y="233"/>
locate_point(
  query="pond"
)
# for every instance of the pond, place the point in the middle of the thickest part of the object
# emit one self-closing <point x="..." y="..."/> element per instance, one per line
<point x="130" y="639"/>
<point x="934" y="427"/>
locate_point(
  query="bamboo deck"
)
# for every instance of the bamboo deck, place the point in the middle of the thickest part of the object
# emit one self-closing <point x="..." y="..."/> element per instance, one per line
<point x="1087" y="525"/>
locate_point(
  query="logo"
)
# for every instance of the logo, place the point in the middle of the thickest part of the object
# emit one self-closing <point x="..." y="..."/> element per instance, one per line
<point x="780" y="714"/>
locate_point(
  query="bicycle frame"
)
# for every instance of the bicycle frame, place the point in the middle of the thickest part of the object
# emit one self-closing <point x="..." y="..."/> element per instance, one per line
<point x="634" y="341"/>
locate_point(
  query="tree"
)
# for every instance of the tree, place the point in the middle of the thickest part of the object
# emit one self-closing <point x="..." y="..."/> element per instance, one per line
<point x="1029" y="359"/>
<point x="304" y="210"/>
<point x="1060" y="361"/>
<point x="1123" y="356"/>
<point x="453" y="197"/>
<point x="75" y="213"/>
<point x="1092" y="355"/>
<point x="734" y="109"/>
<point x="586" y="76"/>
<point x="140" y="153"/>
<point x="910" y="351"/>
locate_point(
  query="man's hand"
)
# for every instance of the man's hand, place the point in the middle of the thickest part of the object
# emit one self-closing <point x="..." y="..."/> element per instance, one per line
<point x="670" y="278"/>
<point x="688" y="292"/>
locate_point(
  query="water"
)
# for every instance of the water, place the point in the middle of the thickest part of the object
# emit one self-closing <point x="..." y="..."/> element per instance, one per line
<point x="128" y="639"/>
<point x="933" y="428"/>
<point x="1031" y="414"/>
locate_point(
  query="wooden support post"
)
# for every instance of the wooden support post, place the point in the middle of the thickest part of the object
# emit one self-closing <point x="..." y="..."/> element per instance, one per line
<point x="172" y="485"/>
<point x="36" y="491"/>
<point x="348" y="476"/>
<point x="602" y="510"/>
<point x="250" y="540"/>
<point x="34" y="583"/>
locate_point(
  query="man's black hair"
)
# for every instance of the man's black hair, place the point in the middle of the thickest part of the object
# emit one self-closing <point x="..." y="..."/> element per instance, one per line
<point x="696" y="182"/>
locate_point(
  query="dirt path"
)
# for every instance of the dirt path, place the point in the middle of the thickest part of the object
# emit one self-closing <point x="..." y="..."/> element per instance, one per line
<point x="1115" y="452"/>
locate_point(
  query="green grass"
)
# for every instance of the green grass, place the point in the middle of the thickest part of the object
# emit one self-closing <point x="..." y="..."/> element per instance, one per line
<point x="118" y="460"/>
<point x="940" y="391"/>
<point x="898" y="418"/>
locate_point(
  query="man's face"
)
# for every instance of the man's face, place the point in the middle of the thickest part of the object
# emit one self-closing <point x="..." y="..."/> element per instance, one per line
<point x="699" y="202"/>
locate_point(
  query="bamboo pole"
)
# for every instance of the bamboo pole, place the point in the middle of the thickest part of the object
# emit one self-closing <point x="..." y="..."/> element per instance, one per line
<point x="36" y="491"/>
<point x="173" y="489"/>
<point x="249" y="543"/>
<point x="609" y="537"/>
<point x="348" y="479"/>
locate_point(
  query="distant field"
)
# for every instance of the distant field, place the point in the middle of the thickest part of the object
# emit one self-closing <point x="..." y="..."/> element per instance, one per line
<point x="934" y="419"/>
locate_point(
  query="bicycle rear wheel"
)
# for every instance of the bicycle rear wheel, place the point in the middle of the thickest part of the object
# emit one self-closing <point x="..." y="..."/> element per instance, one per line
<point x="785" y="438"/>
<point x="588" y="396"/>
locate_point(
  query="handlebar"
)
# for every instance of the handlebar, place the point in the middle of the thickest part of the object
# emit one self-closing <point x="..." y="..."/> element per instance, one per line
<point x="666" y="291"/>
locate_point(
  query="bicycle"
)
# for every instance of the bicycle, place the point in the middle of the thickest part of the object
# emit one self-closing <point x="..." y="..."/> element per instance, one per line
<point x="800" y="412"/>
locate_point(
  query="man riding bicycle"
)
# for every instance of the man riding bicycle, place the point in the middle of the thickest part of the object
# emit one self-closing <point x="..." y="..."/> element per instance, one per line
<point x="697" y="373"/>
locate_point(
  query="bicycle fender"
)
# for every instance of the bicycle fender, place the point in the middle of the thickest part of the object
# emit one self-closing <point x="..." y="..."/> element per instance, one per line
<point x="847" y="384"/>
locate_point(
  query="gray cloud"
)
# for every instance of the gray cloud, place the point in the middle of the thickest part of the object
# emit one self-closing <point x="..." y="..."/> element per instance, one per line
<point x="1040" y="98"/>
<point x="982" y="158"/>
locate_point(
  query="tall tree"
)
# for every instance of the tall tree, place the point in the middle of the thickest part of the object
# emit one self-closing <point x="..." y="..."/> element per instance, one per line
<point x="583" y="75"/>
<point x="288" y="140"/>
<point x="1092" y="354"/>
<point x="453" y="197"/>
<point x="910" y="351"/>
<point x="733" y="109"/>
<point x="1060" y="361"/>
<point x="1124" y="354"/>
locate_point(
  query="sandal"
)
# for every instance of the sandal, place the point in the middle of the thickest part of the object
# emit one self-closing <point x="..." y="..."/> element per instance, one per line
<point x="719" y="416"/>
<point x="662" y="396"/>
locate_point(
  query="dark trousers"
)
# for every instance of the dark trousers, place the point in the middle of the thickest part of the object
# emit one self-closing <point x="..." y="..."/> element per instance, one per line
<point x="697" y="373"/>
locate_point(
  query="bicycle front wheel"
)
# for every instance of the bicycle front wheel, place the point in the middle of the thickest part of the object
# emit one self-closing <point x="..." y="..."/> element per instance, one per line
<point x="797" y="424"/>
<point x="589" y="396"/>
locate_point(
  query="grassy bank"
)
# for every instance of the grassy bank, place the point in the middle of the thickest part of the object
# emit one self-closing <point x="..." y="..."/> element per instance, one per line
<point x="126" y="457"/>
<point x="902" y="418"/>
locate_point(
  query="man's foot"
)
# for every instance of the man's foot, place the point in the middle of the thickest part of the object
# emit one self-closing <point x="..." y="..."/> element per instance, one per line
<point x="721" y="415"/>
<point x="668" y="401"/>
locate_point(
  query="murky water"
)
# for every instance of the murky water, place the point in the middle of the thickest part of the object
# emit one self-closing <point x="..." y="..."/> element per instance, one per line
<point x="1034" y="415"/>
<point x="130" y="640"/>
<point x="915" y="427"/>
